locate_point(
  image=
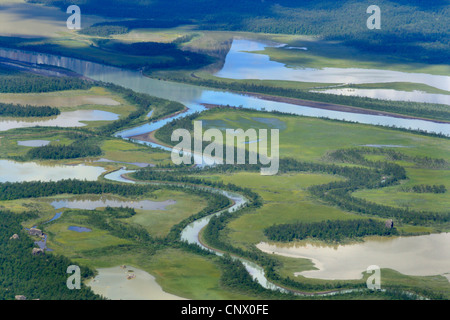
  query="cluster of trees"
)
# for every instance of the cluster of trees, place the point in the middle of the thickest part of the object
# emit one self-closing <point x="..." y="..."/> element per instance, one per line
<point x="36" y="189"/>
<point x="36" y="277"/>
<point x="17" y="110"/>
<point x="425" y="188"/>
<point x="78" y="149"/>
<point x="105" y="29"/>
<point x="29" y="83"/>
<point x="121" y="212"/>
<point x="335" y="230"/>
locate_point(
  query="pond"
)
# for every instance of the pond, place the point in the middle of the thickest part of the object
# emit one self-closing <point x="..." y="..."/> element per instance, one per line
<point x="33" y="143"/>
<point x="79" y="229"/>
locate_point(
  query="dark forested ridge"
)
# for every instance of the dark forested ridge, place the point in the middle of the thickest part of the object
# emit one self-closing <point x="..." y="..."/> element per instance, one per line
<point x="104" y="29"/>
<point x="415" y="29"/>
<point x="36" y="189"/>
<point x="328" y="230"/>
<point x="12" y="81"/>
<point x="17" y="110"/>
<point x="78" y="149"/>
<point x="41" y="277"/>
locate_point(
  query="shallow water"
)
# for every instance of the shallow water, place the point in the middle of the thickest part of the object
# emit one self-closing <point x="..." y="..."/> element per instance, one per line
<point x="65" y="119"/>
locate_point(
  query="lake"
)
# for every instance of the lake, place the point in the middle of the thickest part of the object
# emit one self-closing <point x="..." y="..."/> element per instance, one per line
<point x="418" y="255"/>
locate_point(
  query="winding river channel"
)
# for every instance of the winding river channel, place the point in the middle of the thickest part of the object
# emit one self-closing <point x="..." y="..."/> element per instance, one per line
<point x="193" y="97"/>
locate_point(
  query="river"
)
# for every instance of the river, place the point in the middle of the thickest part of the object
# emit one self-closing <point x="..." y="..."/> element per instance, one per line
<point x="192" y="96"/>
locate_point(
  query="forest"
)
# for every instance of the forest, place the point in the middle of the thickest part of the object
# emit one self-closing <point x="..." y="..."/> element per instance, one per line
<point x="425" y="188"/>
<point x="12" y="81"/>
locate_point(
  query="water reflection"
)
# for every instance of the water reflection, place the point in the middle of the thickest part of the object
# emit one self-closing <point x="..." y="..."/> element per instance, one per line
<point x="11" y="171"/>
<point x="240" y="64"/>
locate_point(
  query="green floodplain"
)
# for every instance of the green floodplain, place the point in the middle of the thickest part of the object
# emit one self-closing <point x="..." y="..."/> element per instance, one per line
<point x="285" y="199"/>
<point x="313" y="153"/>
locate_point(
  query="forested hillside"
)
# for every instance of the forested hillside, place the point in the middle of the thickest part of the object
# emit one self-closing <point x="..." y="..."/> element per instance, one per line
<point x="415" y="29"/>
